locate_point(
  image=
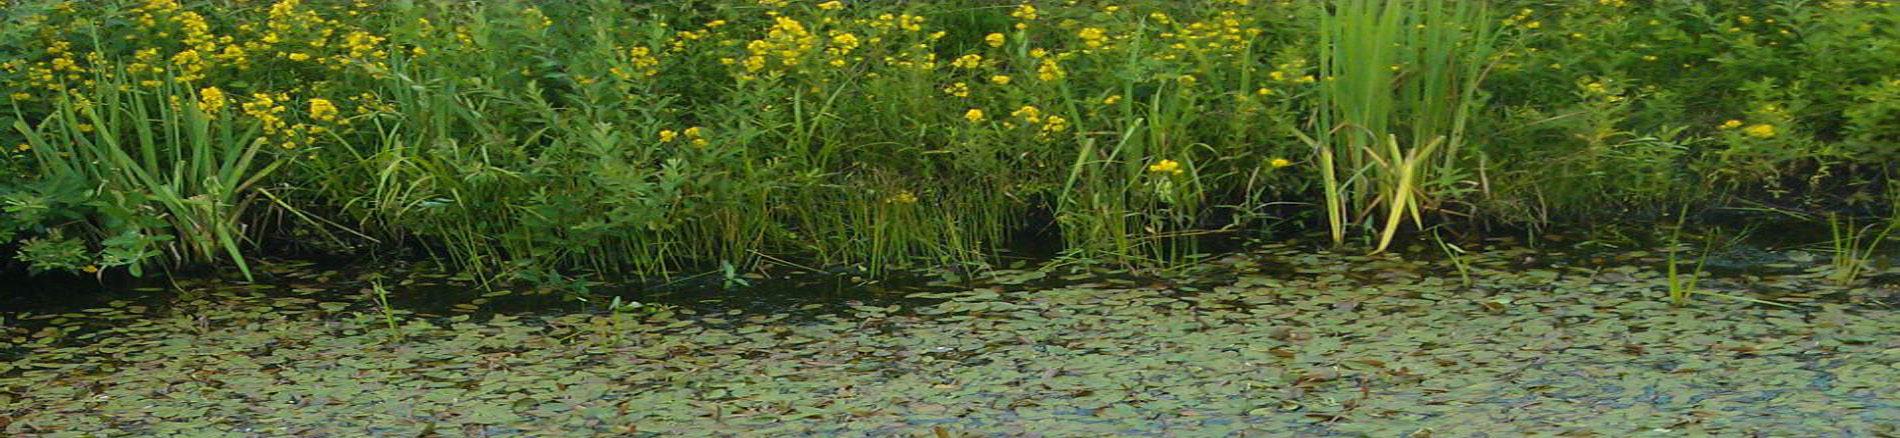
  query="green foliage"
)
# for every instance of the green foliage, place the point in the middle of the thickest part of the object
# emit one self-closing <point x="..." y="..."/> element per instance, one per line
<point x="1395" y="67"/>
<point x="540" y="138"/>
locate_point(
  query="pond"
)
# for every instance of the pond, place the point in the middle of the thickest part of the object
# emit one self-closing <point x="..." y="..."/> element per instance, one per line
<point x="1280" y="339"/>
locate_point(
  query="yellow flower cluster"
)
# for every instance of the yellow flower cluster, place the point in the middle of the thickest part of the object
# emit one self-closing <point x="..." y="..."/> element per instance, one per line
<point x="322" y="109"/>
<point x="266" y="109"/>
<point x="1758" y="130"/>
<point x="211" y="100"/>
<point x="958" y="89"/>
<point x="640" y="60"/>
<point x="968" y="61"/>
<point x="1025" y="14"/>
<point x="902" y="197"/>
<point x="1049" y="123"/>
<point x="786" y="42"/>
<point x="1225" y="35"/>
<point x="1166" y="166"/>
<point x="1050" y="70"/>
<point x="693" y="135"/>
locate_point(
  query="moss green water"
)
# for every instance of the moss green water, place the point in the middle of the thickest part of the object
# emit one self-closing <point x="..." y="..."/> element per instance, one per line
<point x="1280" y="342"/>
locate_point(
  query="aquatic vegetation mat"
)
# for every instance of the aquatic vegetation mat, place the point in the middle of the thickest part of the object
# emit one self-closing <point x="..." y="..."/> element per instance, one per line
<point x="1279" y="342"/>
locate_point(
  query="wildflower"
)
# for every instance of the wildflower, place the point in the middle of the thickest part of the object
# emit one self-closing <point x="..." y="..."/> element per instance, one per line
<point x="1056" y="124"/>
<point x="1111" y="100"/>
<point x="22" y="96"/>
<point x="903" y="197"/>
<point x="22" y="147"/>
<point x="968" y="61"/>
<point x="1049" y="71"/>
<point x="1760" y="130"/>
<point x="845" y="41"/>
<point x="298" y="57"/>
<point x="832" y="5"/>
<point x="1000" y="79"/>
<point x="90" y="269"/>
<point x="211" y="100"/>
<point x="1025" y="12"/>
<point x="973" y="115"/>
<point x="1165" y="166"/>
<point x="959" y="89"/>
<point x="322" y="109"/>
<point x="1280" y="162"/>
<point x="692" y="132"/>
<point x="1092" y="36"/>
<point x="667" y="135"/>
<point x="1731" y="124"/>
<point x="994" y="39"/>
<point x="1028" y="112"/>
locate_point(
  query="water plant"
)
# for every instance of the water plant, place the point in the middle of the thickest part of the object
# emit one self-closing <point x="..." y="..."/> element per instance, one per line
<point x="389" y="312"/>
<point x="1853" y="246"/>
<point x="1392" y="67"/>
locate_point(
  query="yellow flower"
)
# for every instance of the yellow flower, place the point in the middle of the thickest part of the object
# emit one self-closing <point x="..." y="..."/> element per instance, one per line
<point x="211" y="100"/>
<point x="903" y="197"/>
<point x="1092" y="36"/>
<point x="22" y="147"/>
<point x="298" y="57"/>
<point x="1165" y="166"/>
<point x="959" y="89"/>
<point x="973" y="115"/>
<point x="968" y="61"/>
<point x="322" y="109"/>
<point x="1111" y="100"/>
<point x="1731" y="124"/>
<point x="85" y="127"/>
<point x="831" y="5"/>
<point x="1049" y="71"/>
<point x="692" y="132"/>
<point x="1056" y="124"/>
<point x="1025" y="12"/>
<point x="22" y="96"/>
<point x="1280" y="162"/>
<point x="90" y="269"/>
<point x="667" y="135"/>
<point x="1760" y="130"/>
<point x="1028" y="112"/>
<point x="994" y="39"/>
<point x="1000" y="79"/>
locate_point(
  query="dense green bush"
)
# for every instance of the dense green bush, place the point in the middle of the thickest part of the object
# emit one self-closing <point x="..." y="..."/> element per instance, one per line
<point x="645" y="137"/>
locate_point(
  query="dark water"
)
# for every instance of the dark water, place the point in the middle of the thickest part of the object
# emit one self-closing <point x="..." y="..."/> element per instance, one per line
<point x="427" y="290"/>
